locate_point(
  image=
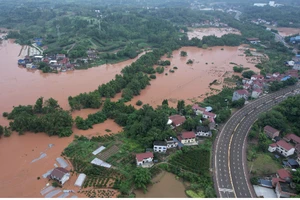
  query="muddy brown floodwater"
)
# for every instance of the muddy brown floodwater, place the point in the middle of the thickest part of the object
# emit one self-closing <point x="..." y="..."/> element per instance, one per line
<point x="167" y="186"/>
<point x="191" y="82"/>
<point x="19" y="86"/>
<point x="218" y="32"/>
<point x="286" y="31"/>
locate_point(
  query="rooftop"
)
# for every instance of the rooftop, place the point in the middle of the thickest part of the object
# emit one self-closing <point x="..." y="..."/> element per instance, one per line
<point x="142" y="156"/>
<point x="293" y="137"/>
<point x="283" y="174"/>
<point x="59" y="172"/>
<point x="284" y="145"/>
<point x="160" y="143"/>
<point x="270" y="129"/>
<point x="177" y="119"/>
<point x="186" y="135"/>
<point x="242" y="92"/>
<point x="203" y="128"/>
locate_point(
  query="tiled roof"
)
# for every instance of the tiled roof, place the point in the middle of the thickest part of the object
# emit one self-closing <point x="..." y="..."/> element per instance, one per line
<point x="59" y="172"/>
<point x="177" y="119"/>
<point x="284" y="145"/>
<point x="293" y="137"/>
<point x="273" y="145"/>
<point x="141" y="156"/>
<point x="189" y="134"/>
<point x="283" y="174"/>
<point x="242" y="92"/>
<point x="270" y="129"/>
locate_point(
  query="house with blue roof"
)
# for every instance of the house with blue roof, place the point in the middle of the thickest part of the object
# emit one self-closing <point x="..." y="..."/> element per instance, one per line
<point x="295" y="39"/>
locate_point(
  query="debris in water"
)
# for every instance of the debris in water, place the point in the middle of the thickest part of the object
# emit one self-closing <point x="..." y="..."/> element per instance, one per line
<point x="43" y="155"/>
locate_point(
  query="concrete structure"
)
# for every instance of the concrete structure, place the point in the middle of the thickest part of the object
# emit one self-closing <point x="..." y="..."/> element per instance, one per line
<point x="240" y="94"/>
<point x="144" y="159"/>
<point x="271" y="132"/>
<point x="284" y="148"/>
<point x="203" y="131"/>
<point x="60" y="174"/>
<point x="171" y="142"/>
<point x="187" y="138"/>
<point x="272" y="147"/>
<point x="80" y="180"/>
<point x="284" y="190"/>
<point x="160" y="146"/>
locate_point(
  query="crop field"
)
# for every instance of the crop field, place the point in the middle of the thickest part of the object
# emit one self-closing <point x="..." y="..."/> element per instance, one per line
<point x="96" y="193"/>
<point x="108" y="152"/>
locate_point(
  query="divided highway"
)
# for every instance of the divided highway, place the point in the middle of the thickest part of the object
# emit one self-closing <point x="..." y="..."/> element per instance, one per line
<point x="229" y="156"/>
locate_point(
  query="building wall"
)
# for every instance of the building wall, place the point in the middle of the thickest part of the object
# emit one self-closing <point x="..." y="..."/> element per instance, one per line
<point x="272" y="149"/>
<point x="187" y="141"/>
<point x="172" y="145"/>
<point x="284" y="152"/>
<point x="144" y="161"/>
<point x="158" y="148"/>
<point x="201" y="133"/>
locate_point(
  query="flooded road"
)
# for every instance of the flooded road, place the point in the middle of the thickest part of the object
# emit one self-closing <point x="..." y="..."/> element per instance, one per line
<point x="18" y="86"/>
<point x="285" y="31"/>
<point x="167" y="187"/>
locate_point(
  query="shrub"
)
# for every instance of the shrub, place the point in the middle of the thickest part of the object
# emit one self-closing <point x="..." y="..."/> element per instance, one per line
<point x="108" y="130"/>
<point x="139" y="103"/>
<point x="55" y="184"/>
<point x="193" y="194"/>
<point x="153" y="76"/>
<point x="171" y="70"/>
<point x="175" y="67"/>
<point x="204" y="46"/>
<point x="206" y="63"/>
<point x="166" y="74"/>
<point x="189" y="61"/>
<point x="183" y="53"/>
<point x="5" y="114"/>
<point x="222" y="49"/>
<point x="38" y="178"/>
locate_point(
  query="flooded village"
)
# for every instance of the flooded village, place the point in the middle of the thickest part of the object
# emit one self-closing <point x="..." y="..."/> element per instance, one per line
<point x="32" y="155"/>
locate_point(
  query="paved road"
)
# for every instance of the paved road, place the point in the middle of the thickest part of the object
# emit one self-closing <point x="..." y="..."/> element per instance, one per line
<point x="229" y="156"/>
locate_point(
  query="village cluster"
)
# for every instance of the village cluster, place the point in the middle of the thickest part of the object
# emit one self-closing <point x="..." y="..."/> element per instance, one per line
<point x="255" y="86"/>
<point x="189" y="138"/>
<point x="285" y="147"/>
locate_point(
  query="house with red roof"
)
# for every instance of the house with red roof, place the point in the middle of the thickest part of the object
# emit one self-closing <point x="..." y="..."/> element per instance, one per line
<point x="240" y="94"/>
<point x="284" y="175"/>
<point x="256" y="93"/>
<point x="144" y="160"/>
<point x="247" y="86"/>
<point x="257" y="77"/>
<point x="292" y="138"/>
<point x="271" y="132"/>
<point x="285" y="148"/>
<point x="176" y="120"/>
<point x="60" y="174"/>
<point x="257" y="85"/>
<point x="272" y="147"/>
<point x="187" y="138"/>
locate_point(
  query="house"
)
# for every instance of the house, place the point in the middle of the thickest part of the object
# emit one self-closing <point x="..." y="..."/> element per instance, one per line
<point x="171" y="142"/>
<point x="253" y="40"/>
<point x="246" y="86"/>
<point x="203" y="131"/>
<point x="240" y="94"/>
<point x="197" y="109"/>
<point x="176" y="120"/>
<point x="247" y="81"/>
<point x="160" y="146"/>
<point x="284" y="175"/>
<point x="209" y="115"/>
<point x="285" y="148"/>
<point x="292" y="138"/>
<point x="257" y="85"/>
<point x="255" y="93"/>
<point x="265" y="183"/>
<point x="296" y="66"/>
<point x="297" y="148"/>
<point x="276" y="74"/>
<point x="271" y="132"/>
<point x="272" y="147"/>
<point x="60" y="56"/>
<point x="144" y="159"/>
<point x="275" y="181"/>
<point x="60" y="174"/>
<point x="257" y="77"/>
<point x="284" y="190"/>
<point x="298" y="160"/>
<point x="187" y="138"/>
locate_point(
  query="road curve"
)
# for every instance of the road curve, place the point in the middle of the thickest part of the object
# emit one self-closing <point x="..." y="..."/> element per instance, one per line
<point x="229" y="155"/>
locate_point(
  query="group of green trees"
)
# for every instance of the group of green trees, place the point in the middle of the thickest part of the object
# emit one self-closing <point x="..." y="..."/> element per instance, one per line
<point x="277" y="85"/>
<point x="45" y="117"/>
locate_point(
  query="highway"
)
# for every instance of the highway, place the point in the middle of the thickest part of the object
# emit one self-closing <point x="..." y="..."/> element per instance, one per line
<point x="231" y="175"/>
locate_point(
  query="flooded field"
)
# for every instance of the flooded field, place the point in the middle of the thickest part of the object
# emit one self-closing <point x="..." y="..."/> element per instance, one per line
<point x="19" y="86"/>
<point x="167" y="186"/>
<point x="284" y="31"/>
<point x="191" y="81"/>
<point x="200" y="32"/>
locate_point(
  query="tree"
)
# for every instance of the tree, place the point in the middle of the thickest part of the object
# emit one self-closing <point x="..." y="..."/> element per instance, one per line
<point x="180" y="105"/>
<point x="1" y="130"/>
<point x="141" y="178"/>
<point x="238" y="103"/>
<point x="296" y="179"/>
<point x="7" y="132"/>
<point x="165" y="102"/>
<point x="248" y="74"/>
<point x="183" y="53"/>
<point x="38" y="107"/>
<point x="139" y="103"/>
<point x="189" y="124"/>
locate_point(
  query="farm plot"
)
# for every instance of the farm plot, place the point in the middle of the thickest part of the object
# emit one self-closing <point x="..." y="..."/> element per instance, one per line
<point x="108" y="153"/>
<point x="94" y="193"/>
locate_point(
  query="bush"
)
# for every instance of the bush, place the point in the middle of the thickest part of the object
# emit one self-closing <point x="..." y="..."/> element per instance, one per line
<point x="192" y="194"/>
<point x="7" y="132"/>
<point x="175" y="67"/>
<point x="183" y="53"/>
<point x="204" y="46"/>
<point x="55" y="184"/>
<point x="153" y="76"/>
<point x="189" y="61"/>
<point x="139" y="103"/>
<point x="38" y="178"/>
<point x="171" y="70"/>
<point x="166" y="74"/>
<point x="5" y="114"/>
<point x="238" y="69"/>
<point x="222" y="49"/>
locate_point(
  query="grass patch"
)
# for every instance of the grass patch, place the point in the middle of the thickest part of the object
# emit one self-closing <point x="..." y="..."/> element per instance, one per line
<point x="192" y="194"/>
<point x="264" y="164"/>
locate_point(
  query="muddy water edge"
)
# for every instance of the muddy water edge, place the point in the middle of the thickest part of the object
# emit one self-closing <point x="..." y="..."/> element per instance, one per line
<point x="19" y="86"/>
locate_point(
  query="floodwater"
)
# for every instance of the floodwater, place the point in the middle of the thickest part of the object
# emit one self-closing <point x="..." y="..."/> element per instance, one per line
<point x="191" y="82"/>
<point x="218" y="32"/>
<point x="285" y="31"/>
<point x="19" y="86"/>
<point x="167" y="186"/>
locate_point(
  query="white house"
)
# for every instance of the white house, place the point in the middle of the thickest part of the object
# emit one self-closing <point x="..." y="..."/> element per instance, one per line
<point x="187" y="138"/>
<point x="60" y="174"/>
<point x="144" y="159"/>
<point x="203" y="131"/>
<point x="240" y="94"/>
<point x="247" y="81"/>
<point x="285" y="148"/>
<point x="176" y="120"/>
<point x="171" y="143"/>
<point x="257" y="77"/>
<point x="255" y="93"/>
<point x="160" y="146"/>
<point x="272" y="147"/>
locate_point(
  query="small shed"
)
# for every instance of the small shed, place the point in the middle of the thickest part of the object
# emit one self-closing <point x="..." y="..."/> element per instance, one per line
<point x="81" y="178"/>
<point x="98" y="150"/>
